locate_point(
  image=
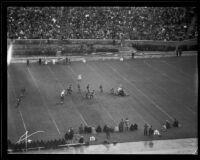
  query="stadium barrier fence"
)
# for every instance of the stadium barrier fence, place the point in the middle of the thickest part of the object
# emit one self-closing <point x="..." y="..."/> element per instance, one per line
<point x="80" y="47"/>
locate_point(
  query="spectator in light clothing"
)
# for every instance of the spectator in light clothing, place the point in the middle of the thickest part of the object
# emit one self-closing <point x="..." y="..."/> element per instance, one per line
<point x="126" y="124"/>
<point x="92" y="139"/>
<point x="156" y="132"/>
<point x="163" y="128"/>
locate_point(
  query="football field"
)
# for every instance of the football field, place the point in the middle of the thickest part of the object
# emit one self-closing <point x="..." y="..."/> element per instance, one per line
<point x="159" y="90"/>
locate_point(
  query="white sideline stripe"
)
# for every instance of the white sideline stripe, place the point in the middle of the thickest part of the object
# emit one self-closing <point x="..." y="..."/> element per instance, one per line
<point x="109" y="84"/>
<point x="22" y="120"/>
<point x="18" y="108"/>
<point x="165" y="74"/>
<point x="165" y="91"/>
<point x="54" y="122"/>
<point x="173" y="66"/>
<point x="61" y="87"/>
<point x="143" y="94"/>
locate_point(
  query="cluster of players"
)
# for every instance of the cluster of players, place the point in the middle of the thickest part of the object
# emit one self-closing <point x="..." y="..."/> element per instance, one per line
<point x="90" y="93"/>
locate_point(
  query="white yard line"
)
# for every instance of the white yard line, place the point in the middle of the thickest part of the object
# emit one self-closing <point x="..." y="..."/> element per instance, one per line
<point x="18" y="108"/>
<point x="53" y="120"/>
<point x="164" y="74"/>
<point x="61" y="87"/>
<point x="188" y="108"/>
<point x="109" y="115"/>
<point x="109" y="84"/>
<point x="22" y="120"/>
<point x="156" y="105"/>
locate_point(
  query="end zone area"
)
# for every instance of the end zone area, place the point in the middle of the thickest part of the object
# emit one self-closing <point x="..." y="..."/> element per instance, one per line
<point x="159" y="89"/>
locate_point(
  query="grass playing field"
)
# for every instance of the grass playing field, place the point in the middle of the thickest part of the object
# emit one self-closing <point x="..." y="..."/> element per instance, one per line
<point x="159" y="89"/>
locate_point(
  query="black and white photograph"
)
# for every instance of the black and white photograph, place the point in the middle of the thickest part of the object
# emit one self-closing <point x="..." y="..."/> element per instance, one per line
<point x="102" y="80"/>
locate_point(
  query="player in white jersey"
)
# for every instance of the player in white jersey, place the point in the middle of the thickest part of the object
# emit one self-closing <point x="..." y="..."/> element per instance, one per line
<point x="62" y="94"/>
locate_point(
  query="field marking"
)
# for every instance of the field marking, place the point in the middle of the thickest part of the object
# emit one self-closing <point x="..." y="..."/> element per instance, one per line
<point x="61" y="87"/>
<point x="22" y="120"/>
<point x="173" y="66"/>
<point x="189" y="108"/>
<point x="25" y="128"/>
<point x="139" y="102"/>
<point x="27" y="136"/>
<point x="129" y="107"/>
<point x="53" y="120"/>
<point x="109" y="115"/>
<point x="162" y="73"/>
<point x="109" y="85"/>
<point x="156" y="105"/>
<point x="56" y="79"/>
<point x="72" y="102"/>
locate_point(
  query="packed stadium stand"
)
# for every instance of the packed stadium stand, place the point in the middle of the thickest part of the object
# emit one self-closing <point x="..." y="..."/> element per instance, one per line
<point x="135" y="23"/>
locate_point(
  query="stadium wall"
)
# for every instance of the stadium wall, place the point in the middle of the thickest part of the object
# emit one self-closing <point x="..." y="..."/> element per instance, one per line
<point x="80" y="47"/>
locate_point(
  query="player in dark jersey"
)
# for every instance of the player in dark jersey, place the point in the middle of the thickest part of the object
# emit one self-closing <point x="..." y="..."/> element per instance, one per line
<point x="101" y="88"/>
<point x="79" y="87"/>
<point x="69" y="90"/>
<point x="88" y="88"/>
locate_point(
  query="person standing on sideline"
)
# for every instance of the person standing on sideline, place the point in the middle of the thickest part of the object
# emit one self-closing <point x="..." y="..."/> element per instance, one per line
<point x="177" y="51"/>
<point x="107" y="132"/>
<point x="40" y="61"/>
<point x="145" y="129"/>
<point x="150" y="130"/>
<point x="127" y="124"/>
<point x="123" y="124"/>
<point x="27" y="62"/>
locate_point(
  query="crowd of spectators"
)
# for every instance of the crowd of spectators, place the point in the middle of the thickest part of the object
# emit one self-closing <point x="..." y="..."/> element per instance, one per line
<point x="135" y="23"/>
<point x="77" y="136"/>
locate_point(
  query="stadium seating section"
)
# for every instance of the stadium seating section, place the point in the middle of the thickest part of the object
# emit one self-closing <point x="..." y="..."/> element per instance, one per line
<point x="135" y="23"/>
